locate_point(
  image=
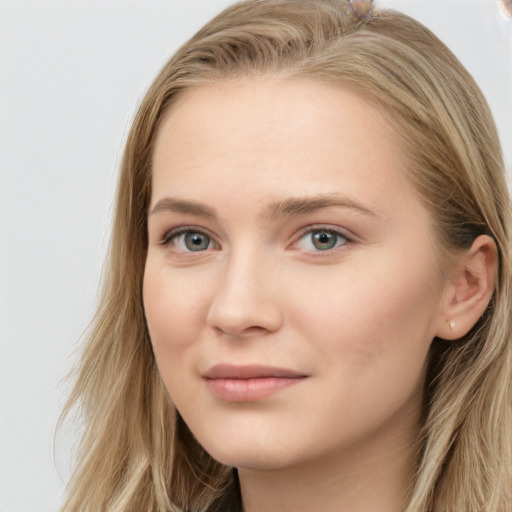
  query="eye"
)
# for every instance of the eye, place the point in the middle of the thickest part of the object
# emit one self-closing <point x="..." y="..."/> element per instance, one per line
<point x="321" y="240"/>
<point x="188" y="240"/>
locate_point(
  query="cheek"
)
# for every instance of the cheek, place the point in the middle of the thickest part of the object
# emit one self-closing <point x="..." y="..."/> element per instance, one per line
<point x="370" y="318"/>
<point x="173" y="309"/>
<point x="372" y="336"/>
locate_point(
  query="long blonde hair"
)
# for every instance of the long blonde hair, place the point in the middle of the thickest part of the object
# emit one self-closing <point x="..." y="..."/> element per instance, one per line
<point x="136" y="454"/>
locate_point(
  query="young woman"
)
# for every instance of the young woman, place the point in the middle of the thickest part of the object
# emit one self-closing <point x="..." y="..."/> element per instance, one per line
<point x="307" y="304"/>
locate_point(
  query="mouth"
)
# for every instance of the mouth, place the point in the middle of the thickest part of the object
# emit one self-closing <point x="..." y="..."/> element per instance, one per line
<point x="249" y="383"/>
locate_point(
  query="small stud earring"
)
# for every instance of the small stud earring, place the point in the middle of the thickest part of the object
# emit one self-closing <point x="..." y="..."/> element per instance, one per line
<point x="451" y="325"/>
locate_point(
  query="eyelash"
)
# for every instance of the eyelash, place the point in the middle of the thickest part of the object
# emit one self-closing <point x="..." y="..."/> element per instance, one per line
<point x="172" y="236"/>
<point x="323" y="229"/>
<point x="175" y="233"/>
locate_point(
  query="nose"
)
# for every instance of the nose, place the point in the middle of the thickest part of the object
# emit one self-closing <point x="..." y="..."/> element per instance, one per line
<point x="246" y="302"/>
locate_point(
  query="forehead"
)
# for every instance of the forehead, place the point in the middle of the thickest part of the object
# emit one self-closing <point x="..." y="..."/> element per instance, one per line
<point x="269" y="137"/>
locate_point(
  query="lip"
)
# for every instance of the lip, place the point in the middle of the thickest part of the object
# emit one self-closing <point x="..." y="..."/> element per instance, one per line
<point x="249" y="383"/>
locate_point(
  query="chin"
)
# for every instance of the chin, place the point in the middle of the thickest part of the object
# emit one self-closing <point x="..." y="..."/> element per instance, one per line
<point x="251" y="456"/>
<point x="252" y="461"/>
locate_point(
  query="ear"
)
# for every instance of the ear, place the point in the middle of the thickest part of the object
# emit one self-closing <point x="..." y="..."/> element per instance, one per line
<point x="468" y="289"/>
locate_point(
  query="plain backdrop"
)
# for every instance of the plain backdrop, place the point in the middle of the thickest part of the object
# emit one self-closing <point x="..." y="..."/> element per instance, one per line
<point x="71" y="75"/>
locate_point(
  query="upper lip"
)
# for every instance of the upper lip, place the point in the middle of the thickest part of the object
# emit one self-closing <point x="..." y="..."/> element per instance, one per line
<point x="230" y="371"/>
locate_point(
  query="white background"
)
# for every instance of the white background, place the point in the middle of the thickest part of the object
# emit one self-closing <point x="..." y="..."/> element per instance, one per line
<point x="71" y="75"/>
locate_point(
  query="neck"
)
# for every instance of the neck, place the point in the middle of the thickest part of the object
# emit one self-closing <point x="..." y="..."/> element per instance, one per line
<point x="374" y="476"/>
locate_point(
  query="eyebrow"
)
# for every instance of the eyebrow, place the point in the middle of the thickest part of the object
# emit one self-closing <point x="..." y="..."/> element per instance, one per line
<point x="302" y="205"/>
<point x="169" y="204"/>
<point x="289" y="207"/>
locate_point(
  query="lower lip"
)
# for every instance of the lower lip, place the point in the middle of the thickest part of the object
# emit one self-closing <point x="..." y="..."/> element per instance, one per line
<point x="249" y="390"/>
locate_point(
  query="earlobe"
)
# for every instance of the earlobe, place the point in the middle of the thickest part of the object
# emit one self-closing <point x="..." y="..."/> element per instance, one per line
<point x="468" y="289"/>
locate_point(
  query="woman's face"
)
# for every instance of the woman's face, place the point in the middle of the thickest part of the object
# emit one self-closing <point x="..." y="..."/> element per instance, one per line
<point x="291" y="287"/>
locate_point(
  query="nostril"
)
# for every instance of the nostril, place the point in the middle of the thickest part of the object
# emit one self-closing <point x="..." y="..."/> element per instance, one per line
<point x="235" y="332"/>
<point x="255" y="330"/>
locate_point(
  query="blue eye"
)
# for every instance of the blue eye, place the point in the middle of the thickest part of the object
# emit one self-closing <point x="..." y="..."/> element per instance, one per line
<point x="188" y="240"/>
<point x="321" y="240"/>
<point x="196" y="241"/>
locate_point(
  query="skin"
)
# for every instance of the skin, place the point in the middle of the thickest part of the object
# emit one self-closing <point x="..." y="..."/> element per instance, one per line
<point x="356" y="320"/>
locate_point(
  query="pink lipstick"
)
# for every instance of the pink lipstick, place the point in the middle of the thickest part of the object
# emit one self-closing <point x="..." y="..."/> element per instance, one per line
<point x="249" y="383"/>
